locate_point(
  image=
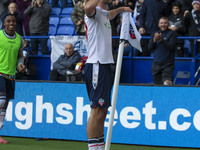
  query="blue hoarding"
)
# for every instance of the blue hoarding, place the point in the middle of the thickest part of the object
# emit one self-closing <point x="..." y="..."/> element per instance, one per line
<point x="146" y="115"/>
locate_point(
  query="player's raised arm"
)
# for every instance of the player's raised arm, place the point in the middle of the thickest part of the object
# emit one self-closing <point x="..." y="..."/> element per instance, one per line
<point x="118" y="10"/>
<point x="90" y="7"/>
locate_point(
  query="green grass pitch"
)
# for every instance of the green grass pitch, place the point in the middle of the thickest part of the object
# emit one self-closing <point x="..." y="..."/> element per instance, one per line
<point x="32" y="144"/>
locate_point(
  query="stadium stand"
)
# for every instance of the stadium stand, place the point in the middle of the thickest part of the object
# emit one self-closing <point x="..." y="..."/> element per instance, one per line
<point x="54" y="21"/>
<point x="52" y="30"/>
<point x="66" y="21"/>
<point x="69" y="3"/>
<point x="55" y="12"/>
<point x="66" y="11"/>
<point x="182" y="75"/>
<point x="65" y="30"/>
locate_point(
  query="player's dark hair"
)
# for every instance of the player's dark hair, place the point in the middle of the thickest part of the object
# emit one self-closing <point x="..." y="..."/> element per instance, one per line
<point x="8" y="14"/>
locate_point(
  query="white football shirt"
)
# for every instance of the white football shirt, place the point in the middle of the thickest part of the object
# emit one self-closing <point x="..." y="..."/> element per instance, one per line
<point x="99" y="37"/>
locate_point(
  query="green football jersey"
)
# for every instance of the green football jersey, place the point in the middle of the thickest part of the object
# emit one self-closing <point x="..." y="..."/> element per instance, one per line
<point x="9" y="49"/>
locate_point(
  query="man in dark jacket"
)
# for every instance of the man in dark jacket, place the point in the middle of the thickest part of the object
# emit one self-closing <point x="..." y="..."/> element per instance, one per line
<point x="176" y="23"/>
<point x="151" y="12"/>
<point x="65" y="63"/>
<point x="77" y="17"/>
<point x="186" y="5"/>
<point x="39" y="12"/>
<point x="192" y="22"/>
<point x="163" y="43"/>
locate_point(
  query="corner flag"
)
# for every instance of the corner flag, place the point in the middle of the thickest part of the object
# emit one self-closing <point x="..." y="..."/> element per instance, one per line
<point x="129" y="31"/>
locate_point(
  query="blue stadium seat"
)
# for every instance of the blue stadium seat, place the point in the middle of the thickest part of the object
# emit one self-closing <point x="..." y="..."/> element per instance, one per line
<point x="66" y="21"/>
<point x="65" y="30"/>
<point x="52" y="30"/>
<point x="69" y="3"/>
<point x="55" y="12"/>
<point x="66" y="11"/>
<point x="54" y="21"/>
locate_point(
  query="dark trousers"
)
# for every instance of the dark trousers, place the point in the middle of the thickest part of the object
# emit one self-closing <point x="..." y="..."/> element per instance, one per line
<point x="162" y="72"/>
<point x="35" y="43"/>
<point x="55" y="76"/>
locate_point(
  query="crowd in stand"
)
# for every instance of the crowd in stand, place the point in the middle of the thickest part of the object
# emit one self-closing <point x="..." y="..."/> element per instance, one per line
<point x="33" y="19"/>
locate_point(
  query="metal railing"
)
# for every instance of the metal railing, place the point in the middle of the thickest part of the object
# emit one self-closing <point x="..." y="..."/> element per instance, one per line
<point x="194" y="61"/>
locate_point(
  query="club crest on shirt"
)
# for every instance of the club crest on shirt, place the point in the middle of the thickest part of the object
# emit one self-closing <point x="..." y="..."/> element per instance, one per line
<point x="131" y="32"/>
<point x="101" y="102"/>
<point x="107" y="25"/>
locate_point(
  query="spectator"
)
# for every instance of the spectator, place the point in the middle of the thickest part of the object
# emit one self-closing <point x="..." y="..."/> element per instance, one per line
<point x="39" y="12"/>
<point x="186" y="5"/>
<point x="131" y="4"/>
<point x="22" y="5"/>
<point x="3" y="8"/>
<point x="54" y="3"/>
<point x="138" y="6"/>
<point x="176" y="23"/>
<point x="163" y="43"/>
<point x="65" y="63"/>
<point x="192" y="22"/>
<point x="150" y="15"/>
<point x="12" y="9"/>
<point x="151" y="12"/>
<point x="142" y="41"/>
<point x="77" y="17"/>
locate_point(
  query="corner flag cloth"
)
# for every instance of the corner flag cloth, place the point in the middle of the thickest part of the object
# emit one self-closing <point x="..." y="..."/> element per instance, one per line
<point x="129" y="31"/>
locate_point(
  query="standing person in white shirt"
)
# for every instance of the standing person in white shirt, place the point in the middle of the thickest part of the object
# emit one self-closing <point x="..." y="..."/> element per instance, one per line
<point x="98" y="74"/>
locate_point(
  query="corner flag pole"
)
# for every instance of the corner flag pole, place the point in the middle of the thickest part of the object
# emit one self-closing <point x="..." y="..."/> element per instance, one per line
<point x="114" y="94"/>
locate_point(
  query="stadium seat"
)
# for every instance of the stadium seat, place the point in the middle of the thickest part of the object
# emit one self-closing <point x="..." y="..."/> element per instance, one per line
<point x="65" y="30"/>
<point x="54" y="21"/>
<point x="66" y="11"/>
<point x="69" y="3"/>
<point x="55" y="12"/>
<point x="66" y="21"/>
<point x="52" y="30"/>
<point x="182" y="75"/>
